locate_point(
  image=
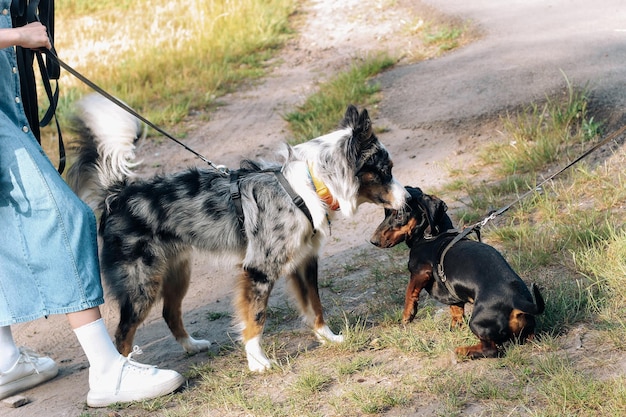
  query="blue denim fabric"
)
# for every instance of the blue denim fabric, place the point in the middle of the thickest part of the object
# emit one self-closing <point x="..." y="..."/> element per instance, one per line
<point x="48" y="241"/>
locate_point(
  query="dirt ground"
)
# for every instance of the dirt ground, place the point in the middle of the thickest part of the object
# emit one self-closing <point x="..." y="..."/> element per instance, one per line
<point x="435" y="113"/>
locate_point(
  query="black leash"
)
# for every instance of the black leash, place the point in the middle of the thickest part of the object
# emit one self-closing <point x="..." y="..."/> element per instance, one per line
<point x="234" y="176"/>
<point x="22" y="13"/>
<point x="27" y="11"/>
<point x="476" y="228"/>
<point x="124" y="106"/>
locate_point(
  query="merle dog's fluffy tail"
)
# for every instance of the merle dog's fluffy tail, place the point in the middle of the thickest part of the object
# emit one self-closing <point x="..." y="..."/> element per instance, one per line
<point x="104" y="148"/>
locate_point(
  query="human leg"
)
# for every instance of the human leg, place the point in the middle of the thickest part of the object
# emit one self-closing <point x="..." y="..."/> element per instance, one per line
<point x="9" y="353"/>
<point x="113" y="377"/>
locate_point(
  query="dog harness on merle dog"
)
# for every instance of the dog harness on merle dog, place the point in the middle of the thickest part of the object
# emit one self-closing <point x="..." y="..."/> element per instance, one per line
<point x="295" y="197"/>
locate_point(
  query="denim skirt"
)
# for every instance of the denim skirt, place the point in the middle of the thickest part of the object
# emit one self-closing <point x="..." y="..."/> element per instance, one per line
<point x="48" y="238"/>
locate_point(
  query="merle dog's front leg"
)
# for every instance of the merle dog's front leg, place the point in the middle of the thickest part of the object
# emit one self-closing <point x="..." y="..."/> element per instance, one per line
<point x="251" y="306"/>
<point x="305" y="284"/>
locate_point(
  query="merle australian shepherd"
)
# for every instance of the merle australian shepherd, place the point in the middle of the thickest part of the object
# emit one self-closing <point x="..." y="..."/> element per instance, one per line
<point x="149" y="226"/>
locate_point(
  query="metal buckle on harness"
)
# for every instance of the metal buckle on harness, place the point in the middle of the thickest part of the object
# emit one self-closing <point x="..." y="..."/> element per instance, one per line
<point x="442" y="275"/>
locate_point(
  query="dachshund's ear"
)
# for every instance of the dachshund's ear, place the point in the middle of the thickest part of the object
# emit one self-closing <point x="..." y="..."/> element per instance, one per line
<point x="441" y="220"/>
<point x="415" y="193"/>
<point x="428" y="210"/>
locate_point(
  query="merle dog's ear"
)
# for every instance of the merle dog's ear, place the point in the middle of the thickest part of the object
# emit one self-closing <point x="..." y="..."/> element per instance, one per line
<point x="351" y="118"/>
<point x="363" y="139"/>
<point x="364" y="125"/>
<point x="361" y="125"/>
<point x="290" y="155"/>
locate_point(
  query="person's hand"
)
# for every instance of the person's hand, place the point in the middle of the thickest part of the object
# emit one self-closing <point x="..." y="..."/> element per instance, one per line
<point x="33" y="36"/>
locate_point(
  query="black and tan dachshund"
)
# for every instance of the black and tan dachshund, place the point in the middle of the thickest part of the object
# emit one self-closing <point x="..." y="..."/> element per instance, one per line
<point x="471" y="272"/>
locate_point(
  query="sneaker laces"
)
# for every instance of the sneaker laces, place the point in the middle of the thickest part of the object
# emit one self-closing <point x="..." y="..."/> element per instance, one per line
<point x="128" y="361"/>
<point x="28" y="356"/>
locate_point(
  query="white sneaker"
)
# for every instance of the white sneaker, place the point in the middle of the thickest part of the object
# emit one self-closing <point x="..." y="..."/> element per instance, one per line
<point x="128" y="381"/>
<point x="30" y="370"/>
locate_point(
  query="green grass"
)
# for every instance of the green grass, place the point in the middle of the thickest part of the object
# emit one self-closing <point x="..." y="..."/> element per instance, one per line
<point x="322" y="111"/>
<point x="543" y="134"/>
<point x="570" y="238"/>
<point x="183" y="57"/>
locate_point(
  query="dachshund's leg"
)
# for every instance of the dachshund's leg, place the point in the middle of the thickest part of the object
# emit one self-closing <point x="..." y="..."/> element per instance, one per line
<point x="419" y="279"/>
<point x="485" y="349"/>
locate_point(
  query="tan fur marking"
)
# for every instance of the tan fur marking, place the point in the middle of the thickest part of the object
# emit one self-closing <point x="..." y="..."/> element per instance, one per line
<point x="391" y="237"/>
<point x="485" y="349"/>
<point x="125" y="346"/>
<point x="457" y="313"/>
<point x="416" y="284"/>
<point x="517" y="322"/>
<point x="175" y="286"/>
<point x="244" y="306"/>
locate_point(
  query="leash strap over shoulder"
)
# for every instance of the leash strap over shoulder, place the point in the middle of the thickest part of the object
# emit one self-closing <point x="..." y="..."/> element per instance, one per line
<point x="457" y="238"/>
<point x="295" y="197"/>
<point x="235" y="194"/>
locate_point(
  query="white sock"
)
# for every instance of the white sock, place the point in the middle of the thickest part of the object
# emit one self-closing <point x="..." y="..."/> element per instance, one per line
<point x="99" y="349"/>
<point x="9" y="353"/>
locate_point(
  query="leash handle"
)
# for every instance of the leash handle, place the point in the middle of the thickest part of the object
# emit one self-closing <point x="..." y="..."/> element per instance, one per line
<point x="124" y="106"/>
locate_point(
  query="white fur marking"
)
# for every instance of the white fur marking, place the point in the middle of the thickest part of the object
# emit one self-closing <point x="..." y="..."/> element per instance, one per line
<point x="257" y="361"/>
<point x="324" y="334"/>
<point x="192" y="345"/>
<point x="400" y="195"/>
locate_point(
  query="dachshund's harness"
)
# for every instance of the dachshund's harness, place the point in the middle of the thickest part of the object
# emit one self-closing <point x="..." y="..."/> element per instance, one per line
<point x="438" y="271"/>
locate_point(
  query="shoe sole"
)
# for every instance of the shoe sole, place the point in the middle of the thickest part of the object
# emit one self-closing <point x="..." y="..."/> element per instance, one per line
<point x="27" y="382"/>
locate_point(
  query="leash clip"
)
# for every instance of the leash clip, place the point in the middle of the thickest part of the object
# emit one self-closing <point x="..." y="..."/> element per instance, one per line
<point x="222" y="169"/>
<point x="487" y="219"/>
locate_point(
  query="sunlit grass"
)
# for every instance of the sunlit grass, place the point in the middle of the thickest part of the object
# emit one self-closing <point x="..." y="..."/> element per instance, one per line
<point x="569" y="238"/>
<point x="174" y="56"/>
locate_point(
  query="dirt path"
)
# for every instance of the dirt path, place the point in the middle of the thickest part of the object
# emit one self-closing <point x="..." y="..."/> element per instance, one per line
<point x="436" y="113"/>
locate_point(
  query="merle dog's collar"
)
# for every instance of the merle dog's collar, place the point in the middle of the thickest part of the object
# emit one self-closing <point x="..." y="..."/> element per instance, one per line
<point x="322" y="190"/>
